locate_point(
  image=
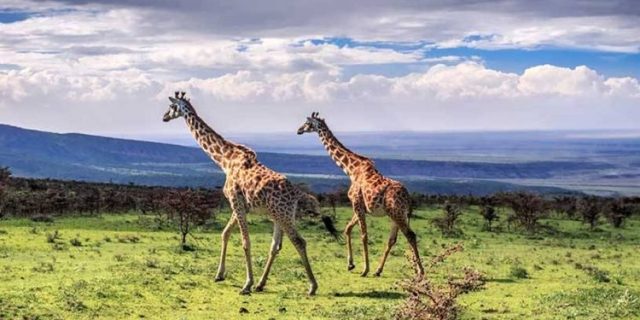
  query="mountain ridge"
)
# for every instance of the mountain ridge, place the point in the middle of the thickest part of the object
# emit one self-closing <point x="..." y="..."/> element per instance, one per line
<point x="76" y="156"/>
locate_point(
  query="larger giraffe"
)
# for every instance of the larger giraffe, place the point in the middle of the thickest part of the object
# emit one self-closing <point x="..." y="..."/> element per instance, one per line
<point x="370" y="192"/>
<point x="250" y="185"/>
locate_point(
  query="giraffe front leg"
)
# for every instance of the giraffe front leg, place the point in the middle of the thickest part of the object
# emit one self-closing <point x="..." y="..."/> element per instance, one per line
<point x="226" y="233"/>
<point x="347" y="234"/>
<point x="276" y="245"/>
<point x="393" y="237"/>
<point x="246" y="246"/>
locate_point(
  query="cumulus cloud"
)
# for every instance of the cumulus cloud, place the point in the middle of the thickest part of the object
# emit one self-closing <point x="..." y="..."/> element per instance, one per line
<point x="107" y="66"/>
<point x="463" y="81"/>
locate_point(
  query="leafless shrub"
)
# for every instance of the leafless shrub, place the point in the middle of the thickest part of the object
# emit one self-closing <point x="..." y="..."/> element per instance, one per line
<point x="430" y="301"/>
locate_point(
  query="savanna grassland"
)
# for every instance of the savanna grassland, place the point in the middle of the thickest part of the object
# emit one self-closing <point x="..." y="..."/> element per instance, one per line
<point x="130" y="266"/>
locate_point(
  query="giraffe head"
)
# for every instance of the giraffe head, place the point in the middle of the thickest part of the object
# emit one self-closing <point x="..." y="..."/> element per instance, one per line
<point x="179" y="107"/>
<point x="313" y="124"/>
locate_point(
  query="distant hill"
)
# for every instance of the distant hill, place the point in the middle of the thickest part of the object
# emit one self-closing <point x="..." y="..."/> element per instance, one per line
<point x="39" y="154"/>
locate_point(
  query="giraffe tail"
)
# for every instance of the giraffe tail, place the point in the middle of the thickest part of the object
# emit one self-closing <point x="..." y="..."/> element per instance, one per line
<point x="309" y="205"/>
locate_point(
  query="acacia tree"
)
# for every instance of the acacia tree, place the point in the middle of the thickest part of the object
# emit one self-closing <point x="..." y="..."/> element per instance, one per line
<point x="617" y="212"/>
<point x="527" y="208"/>
<point x="188" y="208"/>
<point x="489" y="214"/>
<point x="447" y="222"/>
<point x="589" y="209"/>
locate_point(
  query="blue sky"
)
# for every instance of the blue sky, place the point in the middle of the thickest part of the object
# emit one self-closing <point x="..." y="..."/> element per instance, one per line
<point x="106" y="67"/>
<point x="610" y="64"/>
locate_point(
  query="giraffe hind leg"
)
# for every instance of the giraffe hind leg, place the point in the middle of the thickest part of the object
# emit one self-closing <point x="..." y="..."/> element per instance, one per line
<point x="413" y="243"/>
<point x="365" y="243"/>
<point x="276" y="245"/>
<point x="301" y="246"/>
<point x="246" y="246"/>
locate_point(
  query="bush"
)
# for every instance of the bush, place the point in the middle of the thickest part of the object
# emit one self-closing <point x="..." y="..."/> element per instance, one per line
<point x="428" y="300"/>
<point x="618" y="212"/>
<point x="589" y="209"/>
<point x="519" y="272"/>
<point x="597" y="274"/>
<point x="76" y="242"/>
<point x="527" y="208"/>
<point x="447" y="223"/>
<point x="52" y="237"/>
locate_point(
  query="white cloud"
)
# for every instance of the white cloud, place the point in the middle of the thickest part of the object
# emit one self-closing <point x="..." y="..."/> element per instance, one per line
<point x="107" y="66"/>
<point x="463" y="81"/>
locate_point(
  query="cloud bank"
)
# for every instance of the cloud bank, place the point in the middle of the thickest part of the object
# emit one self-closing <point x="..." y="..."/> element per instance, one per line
<point x="107" y="66"/>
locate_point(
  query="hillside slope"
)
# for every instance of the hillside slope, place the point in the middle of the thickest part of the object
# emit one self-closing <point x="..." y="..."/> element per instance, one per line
<point x="31" y="153"/>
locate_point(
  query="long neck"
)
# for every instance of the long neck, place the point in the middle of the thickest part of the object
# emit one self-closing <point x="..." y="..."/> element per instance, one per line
<point x="346" y="159"/>
<point x="210" y="141"/>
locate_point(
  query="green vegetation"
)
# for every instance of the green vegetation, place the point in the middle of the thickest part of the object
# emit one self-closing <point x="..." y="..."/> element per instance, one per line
<point x="123" y="266"/>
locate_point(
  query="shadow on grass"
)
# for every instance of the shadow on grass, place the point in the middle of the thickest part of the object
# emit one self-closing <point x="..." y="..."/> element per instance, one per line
<point x="372" y="294"/>
<point x="506" y="280"/>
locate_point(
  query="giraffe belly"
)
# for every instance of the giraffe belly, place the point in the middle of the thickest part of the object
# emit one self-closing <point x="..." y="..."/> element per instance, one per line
<point x="377" y="211"/>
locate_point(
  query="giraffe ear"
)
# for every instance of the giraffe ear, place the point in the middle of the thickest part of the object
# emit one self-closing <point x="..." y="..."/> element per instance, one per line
<point x="173" y="100"/>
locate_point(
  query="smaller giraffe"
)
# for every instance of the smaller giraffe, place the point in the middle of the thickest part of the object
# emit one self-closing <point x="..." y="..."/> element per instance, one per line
<point x="370" y="192"/>
<point x="250" y="185"/>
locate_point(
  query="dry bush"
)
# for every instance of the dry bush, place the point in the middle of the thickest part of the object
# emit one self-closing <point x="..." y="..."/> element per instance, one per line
<point x="430" y="301"/>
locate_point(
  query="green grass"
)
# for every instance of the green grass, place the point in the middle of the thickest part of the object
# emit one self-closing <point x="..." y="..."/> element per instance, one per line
<point x="119" y="266"/>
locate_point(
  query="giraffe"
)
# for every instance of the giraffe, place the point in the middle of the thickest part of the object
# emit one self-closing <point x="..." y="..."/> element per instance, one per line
<point x="370" y="192"/>
<point x="250" y="186"/>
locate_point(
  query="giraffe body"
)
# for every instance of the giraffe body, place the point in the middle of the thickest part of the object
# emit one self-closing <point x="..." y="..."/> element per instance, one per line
<point x="250" y="186"/>
<point x="370" y="193"/>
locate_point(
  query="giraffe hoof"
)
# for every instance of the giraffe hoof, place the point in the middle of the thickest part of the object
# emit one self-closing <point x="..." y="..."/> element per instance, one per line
<point x="364" y="273"/>
<point x="245" y="292"/>
<point x="259" y="288"/>
<point x="351" y="266"/>
<point x="218" y="278"/>
<point x="312" y="290"/>
<point x="377" y="273"/>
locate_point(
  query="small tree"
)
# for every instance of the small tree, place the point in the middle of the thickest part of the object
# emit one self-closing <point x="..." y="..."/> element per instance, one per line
<point x="589" y="209"/>
<point x="489" y="214"/>
<point x="188" y="207"/>
<point x="617" y="212"/>
<point x="527" y="208"/>
<point x="447" y="222"/>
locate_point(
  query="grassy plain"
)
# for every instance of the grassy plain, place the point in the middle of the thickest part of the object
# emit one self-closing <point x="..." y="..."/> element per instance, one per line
<point x="124" y="266"/>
